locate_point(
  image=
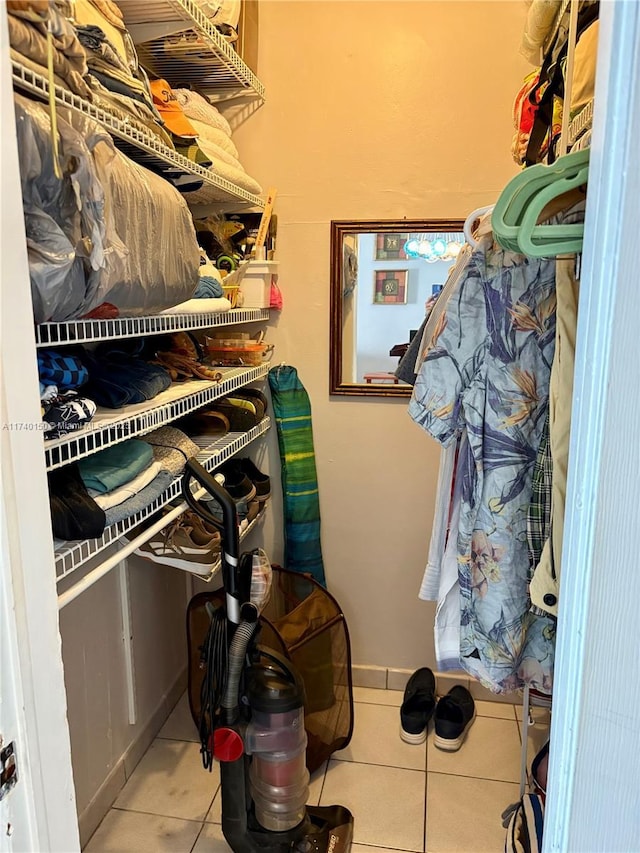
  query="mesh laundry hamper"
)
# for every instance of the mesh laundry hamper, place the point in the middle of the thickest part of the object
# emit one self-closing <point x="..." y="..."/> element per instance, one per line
<point x="305" y="623"/>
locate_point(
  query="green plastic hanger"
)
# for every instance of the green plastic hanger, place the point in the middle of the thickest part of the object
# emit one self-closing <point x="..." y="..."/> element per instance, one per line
<point x="543" y="241"/>
<point x="514" y="202"/>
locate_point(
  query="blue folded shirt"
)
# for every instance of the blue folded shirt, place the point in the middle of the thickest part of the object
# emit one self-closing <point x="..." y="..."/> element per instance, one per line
<point x="111" y="468"/>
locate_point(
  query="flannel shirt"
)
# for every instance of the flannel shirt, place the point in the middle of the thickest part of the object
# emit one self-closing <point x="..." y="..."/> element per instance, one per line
<point x="539" y="514"/>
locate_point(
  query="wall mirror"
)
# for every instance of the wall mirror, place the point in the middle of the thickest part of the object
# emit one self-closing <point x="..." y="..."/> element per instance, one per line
<point x="383" y="272"/>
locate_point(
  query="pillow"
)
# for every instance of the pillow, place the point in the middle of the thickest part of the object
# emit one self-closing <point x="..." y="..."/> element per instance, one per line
<point x="236" y="175"/>
<point x="195" y="106"/>
<point x="212" y="134"/>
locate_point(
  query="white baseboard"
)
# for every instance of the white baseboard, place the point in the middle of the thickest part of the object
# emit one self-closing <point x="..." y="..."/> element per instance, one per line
<point x="396" y="679"/>
<point x="107" y="793"/>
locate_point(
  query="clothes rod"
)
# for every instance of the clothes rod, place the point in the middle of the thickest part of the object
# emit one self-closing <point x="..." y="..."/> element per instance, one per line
<point x="111" y="562"/>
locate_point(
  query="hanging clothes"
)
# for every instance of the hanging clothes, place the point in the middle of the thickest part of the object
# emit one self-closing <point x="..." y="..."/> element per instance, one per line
<point x="487" y="371"/>
<point x="546" y="578"/>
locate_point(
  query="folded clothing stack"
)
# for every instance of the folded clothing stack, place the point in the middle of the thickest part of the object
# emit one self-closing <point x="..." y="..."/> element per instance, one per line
<point x="116" y="483"/>
<point x="119" y="376"/>
<point x="28" y="21"/>
<point x="119" y="472"/>
<point x="118" y="81"/>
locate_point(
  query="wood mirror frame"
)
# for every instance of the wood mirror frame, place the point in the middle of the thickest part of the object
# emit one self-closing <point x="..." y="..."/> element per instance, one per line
<point x="339" y="230"/>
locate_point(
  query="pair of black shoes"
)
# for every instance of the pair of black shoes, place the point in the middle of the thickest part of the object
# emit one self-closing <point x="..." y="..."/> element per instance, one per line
<point x="453" y="714"/>
<point x="244" y="481"/>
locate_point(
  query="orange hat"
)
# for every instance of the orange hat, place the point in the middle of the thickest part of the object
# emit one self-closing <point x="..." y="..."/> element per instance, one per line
<point x="167" y="105"/>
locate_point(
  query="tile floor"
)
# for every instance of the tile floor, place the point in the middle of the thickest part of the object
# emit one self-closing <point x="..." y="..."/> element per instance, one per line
<point x="404" y="798"/>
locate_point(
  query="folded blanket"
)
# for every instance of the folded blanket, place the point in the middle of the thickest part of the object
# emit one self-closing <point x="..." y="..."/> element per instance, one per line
<point x="128" y="490"/>
<point x="45" y="14"/>
<point x="111" y="468"/>
<point x="30" y="42"/>
<point x="171" y="448"/>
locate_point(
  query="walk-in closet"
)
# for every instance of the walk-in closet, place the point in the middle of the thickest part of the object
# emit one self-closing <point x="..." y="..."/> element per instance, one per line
<point x="319" y="383"/>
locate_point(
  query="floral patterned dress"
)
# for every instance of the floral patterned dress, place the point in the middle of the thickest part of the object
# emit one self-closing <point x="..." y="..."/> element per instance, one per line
<point x="486" y="371"/>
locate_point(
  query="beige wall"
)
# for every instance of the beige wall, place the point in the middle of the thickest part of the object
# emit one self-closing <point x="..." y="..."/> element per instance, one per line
<point x="374" y="110"/>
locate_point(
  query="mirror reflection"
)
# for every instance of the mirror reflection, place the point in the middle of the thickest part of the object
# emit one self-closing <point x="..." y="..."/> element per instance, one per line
<point x="385" y="275"/>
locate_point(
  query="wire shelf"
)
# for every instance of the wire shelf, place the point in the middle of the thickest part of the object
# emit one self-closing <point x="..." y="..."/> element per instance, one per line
<point x="583" y="121"/>
<point x="176" y="40"/>
<point x="88" y="331"/>
<point x="70" y="556"/>
<point x="217" y="189"/>
<point x="110" y="426"/>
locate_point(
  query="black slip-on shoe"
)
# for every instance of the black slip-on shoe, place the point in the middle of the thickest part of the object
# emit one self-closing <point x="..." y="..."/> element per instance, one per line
<point x="454" y="715"/>
<point x="418" y="705"/>
<point x="236" y="481"/>
<point x="261" y="481"/>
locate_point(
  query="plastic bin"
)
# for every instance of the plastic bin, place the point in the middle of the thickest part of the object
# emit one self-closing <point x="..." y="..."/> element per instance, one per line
<point x="256" y="284"/>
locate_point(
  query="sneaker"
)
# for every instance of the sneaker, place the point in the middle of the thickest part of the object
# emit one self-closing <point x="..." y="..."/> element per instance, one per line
<point x="202" y="532"/>
<point x="176" y="546"/>
<point x="418" y="706"/>
<point x="261" y="481"/>
<point x="454" y="715"/>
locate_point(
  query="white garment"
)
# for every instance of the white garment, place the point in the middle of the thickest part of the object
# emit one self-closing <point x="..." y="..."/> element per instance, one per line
<point x="106" y="500"/>
<point x="446" y="631"/>
<point x="430" y="587"/>
<point x="440" y="581"/>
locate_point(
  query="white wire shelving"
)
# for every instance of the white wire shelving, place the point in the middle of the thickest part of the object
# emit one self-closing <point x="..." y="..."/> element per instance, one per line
<point x="583" y="121"/>
<point x="89" y="331"/>
<point x="111" y="426"/>
<point x="178" y="42"/>
<point x="70" y="556"/>
<point x="215" y="189"/>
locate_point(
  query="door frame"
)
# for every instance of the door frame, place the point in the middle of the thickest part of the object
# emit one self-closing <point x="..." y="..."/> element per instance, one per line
<point x="41" y="808"/>
<point x="595" y="732"/>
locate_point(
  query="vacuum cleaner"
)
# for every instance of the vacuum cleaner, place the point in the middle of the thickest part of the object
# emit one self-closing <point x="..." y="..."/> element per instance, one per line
<point x="254" y="718"/>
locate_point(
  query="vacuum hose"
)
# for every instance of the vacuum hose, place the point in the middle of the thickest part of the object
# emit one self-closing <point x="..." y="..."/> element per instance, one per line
<point x="237" y="653"/>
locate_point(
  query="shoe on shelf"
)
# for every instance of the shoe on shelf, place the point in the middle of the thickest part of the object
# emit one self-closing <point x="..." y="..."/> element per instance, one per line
<point x="454" y="715"/>
<point x="418" y="705"/>
<point x="256" y="397"/>
<point x="236" y="481"/>
<point x="254" y="509"/>
<point x="176" y="546"/>
<point x="202" y="532"/>
<point x="261" y="481"/>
